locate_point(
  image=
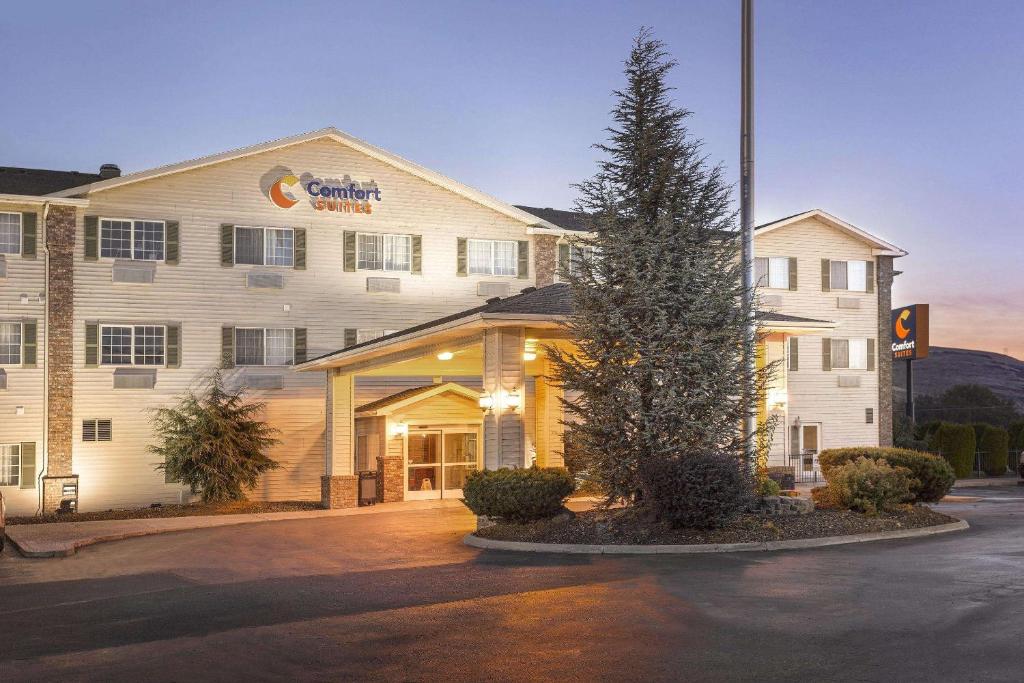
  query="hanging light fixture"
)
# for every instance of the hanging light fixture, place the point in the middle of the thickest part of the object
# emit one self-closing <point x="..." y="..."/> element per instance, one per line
<point x="486" y="401"/>
<point x="445" y="355"/>
<point x="513" y="399"/>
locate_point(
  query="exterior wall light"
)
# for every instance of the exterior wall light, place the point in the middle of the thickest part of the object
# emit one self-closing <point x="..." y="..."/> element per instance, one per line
<point x="513" y="399"/>
<point x="445" y="355"/>
<point x="776" y="399"/>
<point x="486" y="401"/>
<point x="399" y="429"/>
<point x="529" y="355"/>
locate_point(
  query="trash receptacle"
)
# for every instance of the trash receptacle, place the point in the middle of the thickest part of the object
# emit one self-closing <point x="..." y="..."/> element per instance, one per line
<point x="367" y="487"/>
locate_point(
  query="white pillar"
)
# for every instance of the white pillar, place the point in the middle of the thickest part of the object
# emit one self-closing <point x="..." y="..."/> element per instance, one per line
<point x="504" y="373"/>
<point x="549" y="436"/>
<point x="340" y="424"/>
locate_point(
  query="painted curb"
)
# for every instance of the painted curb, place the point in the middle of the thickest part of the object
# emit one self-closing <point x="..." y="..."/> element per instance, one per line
<point x="797" y="544"/>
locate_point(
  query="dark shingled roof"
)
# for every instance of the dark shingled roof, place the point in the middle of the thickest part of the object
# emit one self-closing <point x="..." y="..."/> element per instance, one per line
<point x="554" y="300"/>
<point x="38" y="181"/>
<point x="567" y="220"/>
<point x="395" y="398"/>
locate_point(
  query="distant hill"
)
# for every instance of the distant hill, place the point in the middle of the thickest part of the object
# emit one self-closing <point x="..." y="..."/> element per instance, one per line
<point x="947" y="367"/>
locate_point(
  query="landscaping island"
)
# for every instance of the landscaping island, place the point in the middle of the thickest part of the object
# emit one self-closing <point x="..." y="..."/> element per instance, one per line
<point x="626" y="526"/>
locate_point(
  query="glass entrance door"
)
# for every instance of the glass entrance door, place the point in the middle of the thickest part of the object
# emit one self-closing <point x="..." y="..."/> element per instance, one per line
<point x="439" y="463"/>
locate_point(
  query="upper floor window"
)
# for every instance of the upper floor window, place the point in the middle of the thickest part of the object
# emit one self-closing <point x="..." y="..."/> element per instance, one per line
<point x="264" y="346"/>
<point x="369" y="335"/>
<point x="10" y="233"/>
<point x="10" y="464"/>
<point x="132" y="239"/>
<point x="384" y="252"/>
<point x="265" y="246"/>
<point x="10" y="343"/>
<point x="850" y="354"/>
<point x="132" y="344"/>
<point x="849" y="275"/>
<point x="579" y="253"/>
<point x="771" y="272"/>
<point x="493" y="257"/>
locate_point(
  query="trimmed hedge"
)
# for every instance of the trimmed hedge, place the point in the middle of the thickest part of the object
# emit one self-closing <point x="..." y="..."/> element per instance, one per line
<point x="933" y="477"/>
<point x="521" y="495"/>
<point x="1017" y="436"/>
<point x="994" y="445"/>
<point x="699" y="491"/>
<point x="870" y="486"/>
<point x="957" y="444"/>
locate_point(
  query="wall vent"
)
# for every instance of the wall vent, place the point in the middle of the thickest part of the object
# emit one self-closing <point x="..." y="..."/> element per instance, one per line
<point x="491" y="289"/>
<point x="133" y="272"/>
<point x="389" y="285"/>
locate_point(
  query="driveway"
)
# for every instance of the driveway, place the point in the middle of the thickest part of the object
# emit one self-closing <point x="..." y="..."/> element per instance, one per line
<point x="396" y="596"/>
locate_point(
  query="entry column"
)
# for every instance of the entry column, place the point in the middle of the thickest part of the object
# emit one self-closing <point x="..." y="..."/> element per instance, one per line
<point x="504" y="375"/>
<point x="339" y="486"/>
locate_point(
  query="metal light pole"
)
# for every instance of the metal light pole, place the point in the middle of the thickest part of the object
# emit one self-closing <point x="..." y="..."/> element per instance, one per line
<point x="747" y="225"/>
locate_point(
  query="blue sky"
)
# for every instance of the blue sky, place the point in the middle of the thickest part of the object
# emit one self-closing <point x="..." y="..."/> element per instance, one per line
<point x="900" y="117"/>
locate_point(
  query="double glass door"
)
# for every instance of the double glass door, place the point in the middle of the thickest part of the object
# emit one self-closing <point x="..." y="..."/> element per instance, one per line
<point x="439" y="462"/>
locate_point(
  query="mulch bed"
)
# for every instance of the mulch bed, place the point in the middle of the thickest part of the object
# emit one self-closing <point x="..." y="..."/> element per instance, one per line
<point x="244" y="507"/>
<point x="628" y="526"/>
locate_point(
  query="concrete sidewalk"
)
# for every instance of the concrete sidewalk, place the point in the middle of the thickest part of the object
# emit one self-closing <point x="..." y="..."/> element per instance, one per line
<point x="62" y="539"/>
<point x="1005" y="480"/>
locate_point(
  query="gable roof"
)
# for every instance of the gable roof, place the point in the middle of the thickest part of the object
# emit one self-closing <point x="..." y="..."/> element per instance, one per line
<point x="40" y="181"/>
<point x="535" y="223"/>
<point x="881" y="247"/>
<point x="570" y="220"/>
<point x="389" y="404"/>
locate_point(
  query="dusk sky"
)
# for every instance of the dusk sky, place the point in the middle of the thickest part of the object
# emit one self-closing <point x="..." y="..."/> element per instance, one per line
<point x="902" y="118"/>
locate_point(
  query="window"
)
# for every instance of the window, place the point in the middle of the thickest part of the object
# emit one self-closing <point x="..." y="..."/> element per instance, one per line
<point x="849" y="275"/>
<point x="265" y="246"/>
<point x="384" y="252"/>
<point x="130" y="239"/>
<point x="493" y="257"/>
<point x="10" y="233"/>
<point x="10" y="343"/>
<point x="264" y="346"/>
<point x="771" y="272"/>
<point x="850" y="354"/>
<point x="97" y="430"/>
<point x="132" y="344"/>
<point x="370" y="335"/>
<point x="10" y="464"/>
<point x="578" y="254"/>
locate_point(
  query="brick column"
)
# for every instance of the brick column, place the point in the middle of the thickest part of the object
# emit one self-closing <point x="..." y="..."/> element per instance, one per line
<point x="885" y="276"/>
<point x="545" y="259"/>
<point x="60" y="310"/>
<point x="390" y="479"/>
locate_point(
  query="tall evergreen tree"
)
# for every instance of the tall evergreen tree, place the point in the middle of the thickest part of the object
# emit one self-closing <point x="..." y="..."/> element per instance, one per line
<point x="658" y="323"/>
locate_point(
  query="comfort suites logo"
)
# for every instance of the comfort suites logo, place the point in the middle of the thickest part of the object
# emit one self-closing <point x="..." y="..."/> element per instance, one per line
<point x="910" y="332"/>
<point x="343" y="195"/>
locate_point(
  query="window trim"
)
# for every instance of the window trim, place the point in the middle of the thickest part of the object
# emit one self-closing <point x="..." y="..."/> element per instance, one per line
<point x="264" y="364"/>
<point x="768" y="273"/>
<point x="490" y="272"/>
<point x="263" y="253"/>
<point x="131" y="247"/>
<point x="847" y="288"/>
<point x="383" y="260"/>
<point x="21" y="342"/>
<point x="17" y="470"/>
<point x="133" y="364"/>
<point x="21" y="233"/>
<point x="849" y="358"/>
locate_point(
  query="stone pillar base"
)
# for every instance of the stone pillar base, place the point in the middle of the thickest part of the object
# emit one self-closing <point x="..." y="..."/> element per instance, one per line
<point x="339" y="491"/>
<point x="390" y="479"/>
<point x="53" y="492"/>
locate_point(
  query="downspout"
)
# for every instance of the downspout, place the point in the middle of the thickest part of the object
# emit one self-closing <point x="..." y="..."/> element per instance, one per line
<point x="46" y="360"/>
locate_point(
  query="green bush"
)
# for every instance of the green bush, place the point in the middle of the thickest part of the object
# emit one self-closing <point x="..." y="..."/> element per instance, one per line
<point x="521" y="495"/>
<point x="994" y="445"/>
<point x="825" y="498"/>
<point x="870" y="486"/>
<point x="768" y="487"/>
<point x="956" y="443"/>
<point x="933" y="477"/>
<point x="1017" y="435"/>
<point x="700" y="491"/>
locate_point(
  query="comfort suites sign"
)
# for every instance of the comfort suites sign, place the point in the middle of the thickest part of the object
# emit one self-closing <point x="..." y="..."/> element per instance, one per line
<point x="910" y="332"/>
<point x="341" y="196"/>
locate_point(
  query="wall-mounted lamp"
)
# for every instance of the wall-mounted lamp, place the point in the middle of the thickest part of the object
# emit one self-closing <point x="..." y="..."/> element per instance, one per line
<point x="486" y="401"/>
<point x="445" y="355"/>
<point x="399" y="429"/>
<point x="513" y="399"/>
<point x="776" y="399"/>
<point x="529" y="355"/>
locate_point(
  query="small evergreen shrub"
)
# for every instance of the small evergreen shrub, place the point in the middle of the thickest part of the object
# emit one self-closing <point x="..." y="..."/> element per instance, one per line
<point x="933" y="477"/>
<point x="520" y="495"/>
<point x="825" y="498"/>
<point x="995" y="451"/>
<point x="768" y="487"/>
<point x="870" y="486"/>
<point x="956" y="443"/>
<point x="700" y="491"/>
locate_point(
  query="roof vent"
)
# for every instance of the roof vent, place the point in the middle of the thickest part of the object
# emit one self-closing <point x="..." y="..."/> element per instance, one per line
<point x="110" y="171"/>
<point x="494" y="300"/>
